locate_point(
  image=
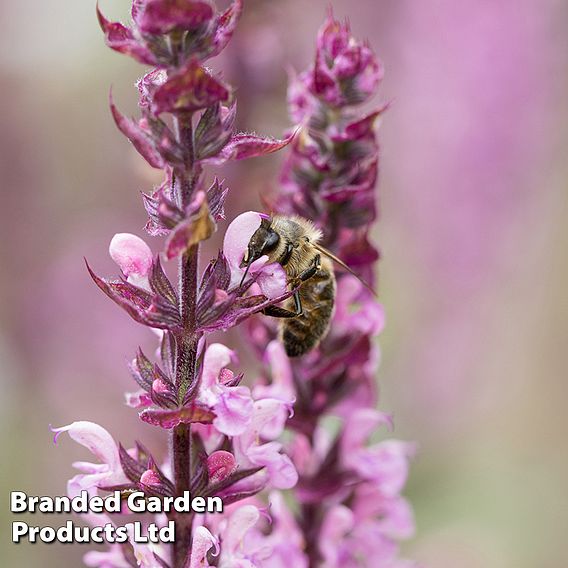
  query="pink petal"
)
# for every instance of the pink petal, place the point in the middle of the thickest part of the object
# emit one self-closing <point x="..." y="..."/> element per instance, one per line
<point x="360" y="425"/>
<point x="87" y="467"/>
<point x="95" y="438"/>
<point x="131" y="253"/>
<point x="82" y="482"/>
<point x="238" y="235"/>
<point x="143" y="553"/>
<point x="272" y="281"/>
<point x="337" y="523"/>
<point x="280" y="369"/>
<point x="283" y="474"/>
<point x="240" y="522"/>
<point x="365" y="315"/>
<point x="217" y="357"/>
<point x="274" y="427"/>
<point x="233" y="410"/>
<point x="265" y="411"/>
<point x="397" y="521"/>
<point x="282" y="514"/>
<point x="203" y="542"/>
<point x="385" y="463"/>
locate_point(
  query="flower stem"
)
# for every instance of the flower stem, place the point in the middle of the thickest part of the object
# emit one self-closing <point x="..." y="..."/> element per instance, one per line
<point x="181" y="446"/>
<point x="187" y="340"/>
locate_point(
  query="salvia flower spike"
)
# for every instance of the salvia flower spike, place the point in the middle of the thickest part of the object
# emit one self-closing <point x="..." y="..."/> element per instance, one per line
<point x="226" y="438"/>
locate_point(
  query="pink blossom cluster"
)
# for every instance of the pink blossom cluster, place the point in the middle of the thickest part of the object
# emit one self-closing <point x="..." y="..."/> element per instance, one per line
<point x="351" y="512"/>
<point x="227" y="439"/>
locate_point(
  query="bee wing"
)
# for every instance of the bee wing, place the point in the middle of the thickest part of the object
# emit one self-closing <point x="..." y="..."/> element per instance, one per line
<point x="330" y="255"/>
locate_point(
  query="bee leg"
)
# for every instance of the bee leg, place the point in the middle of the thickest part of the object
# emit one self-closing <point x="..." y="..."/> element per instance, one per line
<point x="312" y="270"/>
<point x="277" y="312"/>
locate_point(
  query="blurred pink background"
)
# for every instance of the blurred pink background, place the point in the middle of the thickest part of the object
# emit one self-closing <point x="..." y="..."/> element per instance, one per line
<point x="473" y="235"/>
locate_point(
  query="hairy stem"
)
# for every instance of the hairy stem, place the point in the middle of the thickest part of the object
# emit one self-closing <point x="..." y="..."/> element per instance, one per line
<point x="186" y="345"/>
<point x="181" y="446"/>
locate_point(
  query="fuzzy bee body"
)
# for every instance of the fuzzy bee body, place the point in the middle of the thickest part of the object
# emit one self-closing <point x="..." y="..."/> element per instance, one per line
<point x="292" y="242"/>
<point x="304" y="332"/>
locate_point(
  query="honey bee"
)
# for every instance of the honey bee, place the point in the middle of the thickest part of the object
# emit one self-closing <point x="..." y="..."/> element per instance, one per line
<point x="293" y="242"/>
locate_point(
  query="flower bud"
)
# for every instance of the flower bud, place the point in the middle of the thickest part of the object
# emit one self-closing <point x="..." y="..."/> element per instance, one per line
<point x="220" y="465"/>
<point x="150" y="477"/>
<point x="159" y="386"/>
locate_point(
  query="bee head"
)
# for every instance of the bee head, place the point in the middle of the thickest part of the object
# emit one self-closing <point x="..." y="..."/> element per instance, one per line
<point x="263" y="241"/>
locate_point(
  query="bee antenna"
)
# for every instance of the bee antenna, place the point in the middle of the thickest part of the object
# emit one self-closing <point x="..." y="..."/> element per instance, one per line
<point x="329" y="254"/>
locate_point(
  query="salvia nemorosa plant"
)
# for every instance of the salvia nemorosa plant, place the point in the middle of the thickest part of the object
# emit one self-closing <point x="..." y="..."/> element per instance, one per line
<point x="304" y="425"/>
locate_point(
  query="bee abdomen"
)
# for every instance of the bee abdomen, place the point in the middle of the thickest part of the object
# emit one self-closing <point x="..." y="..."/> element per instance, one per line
<point x="302" y="333"/>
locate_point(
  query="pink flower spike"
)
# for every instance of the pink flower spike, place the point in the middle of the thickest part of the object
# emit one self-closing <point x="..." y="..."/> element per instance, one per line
<point x="346" y="71"/>
<point x="220" y="465"/>
<point x="132" y="254"/>
<point x="150" y="477"/>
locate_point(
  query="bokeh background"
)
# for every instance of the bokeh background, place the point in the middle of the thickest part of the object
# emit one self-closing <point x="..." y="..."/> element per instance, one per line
<point x="473" y="234"/>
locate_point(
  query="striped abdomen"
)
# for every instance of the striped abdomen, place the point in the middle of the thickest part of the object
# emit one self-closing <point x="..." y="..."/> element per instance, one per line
<point x="304" y="332"/>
